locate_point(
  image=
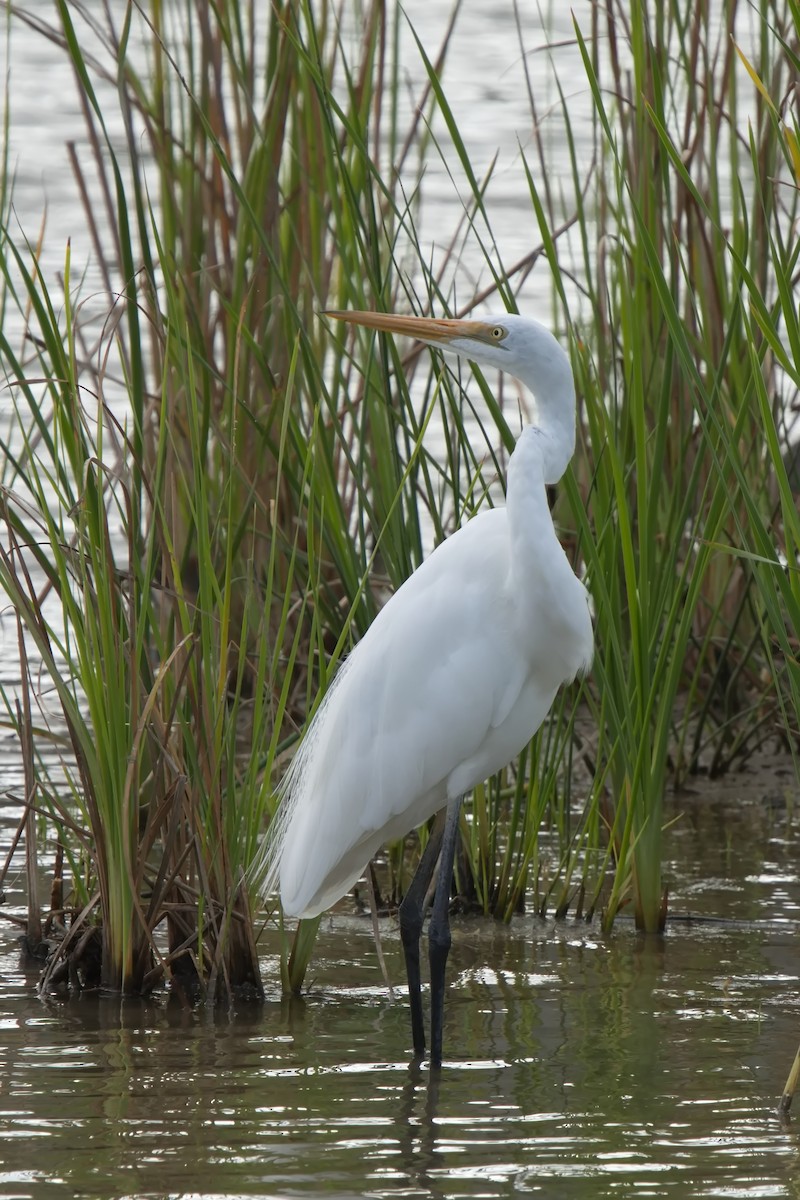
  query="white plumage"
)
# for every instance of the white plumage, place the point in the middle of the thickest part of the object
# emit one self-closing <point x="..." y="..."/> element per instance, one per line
<point x="452" y="680"/>
<point x="460" y="667"/>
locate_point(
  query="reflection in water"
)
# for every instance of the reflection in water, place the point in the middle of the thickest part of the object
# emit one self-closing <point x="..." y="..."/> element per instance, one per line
<point x="581" y="1066"/>
<point x="416" y="1130"/>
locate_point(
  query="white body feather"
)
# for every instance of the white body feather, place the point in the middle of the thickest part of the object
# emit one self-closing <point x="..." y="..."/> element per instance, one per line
<point x="451" y="681"/>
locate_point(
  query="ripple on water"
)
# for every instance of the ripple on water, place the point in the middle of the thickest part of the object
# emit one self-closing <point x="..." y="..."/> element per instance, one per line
<point x="580" y="1066"/>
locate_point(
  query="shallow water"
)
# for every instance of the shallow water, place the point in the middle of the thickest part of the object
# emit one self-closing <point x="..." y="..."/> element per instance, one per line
<point x="577" y="1065"/>
<point x="576" y="1068"/>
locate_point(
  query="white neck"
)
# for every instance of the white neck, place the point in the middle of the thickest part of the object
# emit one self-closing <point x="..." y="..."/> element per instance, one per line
<point x="553" y="387"/>
<point x="529" y="352"/>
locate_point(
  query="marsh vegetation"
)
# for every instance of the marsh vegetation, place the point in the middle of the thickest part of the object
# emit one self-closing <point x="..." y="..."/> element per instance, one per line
<point x="207" y="492"/>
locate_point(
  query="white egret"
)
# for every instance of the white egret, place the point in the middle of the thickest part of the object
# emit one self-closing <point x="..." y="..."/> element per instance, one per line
<point x="453" y="678"/>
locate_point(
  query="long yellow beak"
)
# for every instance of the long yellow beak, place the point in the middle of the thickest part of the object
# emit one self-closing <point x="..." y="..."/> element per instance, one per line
<point x="438" y="330"/>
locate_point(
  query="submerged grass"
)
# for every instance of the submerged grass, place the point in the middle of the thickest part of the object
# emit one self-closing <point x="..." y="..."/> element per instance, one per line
<point x="208" y="493"/>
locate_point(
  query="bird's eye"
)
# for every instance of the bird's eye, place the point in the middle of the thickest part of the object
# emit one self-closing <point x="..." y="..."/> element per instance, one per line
<point x="498" y="333"/>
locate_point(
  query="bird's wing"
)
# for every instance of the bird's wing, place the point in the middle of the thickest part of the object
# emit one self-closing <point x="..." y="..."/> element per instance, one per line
<point x="437" y="671"/>
<point x="441" y="665"/>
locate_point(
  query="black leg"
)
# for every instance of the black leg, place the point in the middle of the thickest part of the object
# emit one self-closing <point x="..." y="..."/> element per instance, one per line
<point x="411" y="915"/>
<point x="439" y="928"/>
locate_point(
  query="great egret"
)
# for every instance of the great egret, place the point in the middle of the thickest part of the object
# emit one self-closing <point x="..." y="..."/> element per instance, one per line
<point x="452" y="679"/>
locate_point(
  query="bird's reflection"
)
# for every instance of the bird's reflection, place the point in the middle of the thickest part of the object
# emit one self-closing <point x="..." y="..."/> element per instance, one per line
<point x="416" y="1128"/>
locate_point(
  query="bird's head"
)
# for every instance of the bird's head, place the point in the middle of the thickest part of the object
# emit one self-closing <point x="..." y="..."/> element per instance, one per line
<point x="517" y="345"/>
<point x="510" y="343"/>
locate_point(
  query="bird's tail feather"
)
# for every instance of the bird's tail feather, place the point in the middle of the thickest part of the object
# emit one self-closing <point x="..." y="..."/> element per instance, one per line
<point x="265" y="869"/>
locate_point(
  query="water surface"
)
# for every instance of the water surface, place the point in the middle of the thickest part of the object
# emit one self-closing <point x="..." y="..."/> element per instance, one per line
<point x="576" y="1065"/>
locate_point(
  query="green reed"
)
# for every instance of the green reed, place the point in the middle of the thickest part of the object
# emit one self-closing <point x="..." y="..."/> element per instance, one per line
<point x="651" y="245"/>
<point x="210" y="548"/>
<point x="665" y="370"/>
<point x="208" y="495"/>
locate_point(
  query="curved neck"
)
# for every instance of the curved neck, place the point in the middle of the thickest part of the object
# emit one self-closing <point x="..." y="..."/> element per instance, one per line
<point x="530" y="522"/>
<point x="553" y="387"/>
